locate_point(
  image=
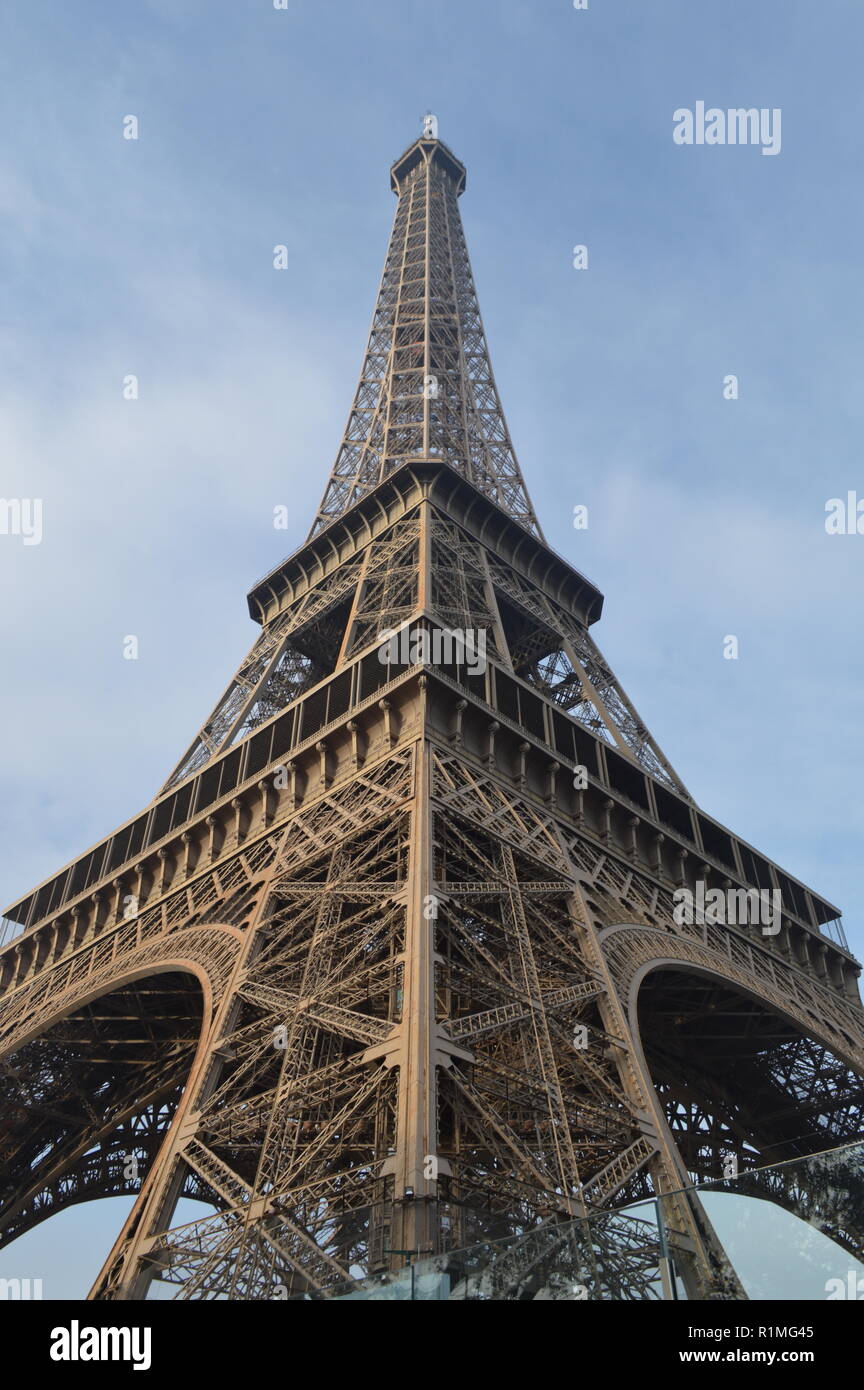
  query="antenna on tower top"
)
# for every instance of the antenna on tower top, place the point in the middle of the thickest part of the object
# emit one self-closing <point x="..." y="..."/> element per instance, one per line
<point x="430" y="126"/>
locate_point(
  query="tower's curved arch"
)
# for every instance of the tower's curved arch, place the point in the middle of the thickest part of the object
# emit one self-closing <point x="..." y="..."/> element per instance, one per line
<point x="762" y="1066"/>
<point x="90" y="1079"/>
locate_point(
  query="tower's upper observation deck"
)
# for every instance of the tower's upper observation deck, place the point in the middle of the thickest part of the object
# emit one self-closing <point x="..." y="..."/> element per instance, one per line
<point x="431" y="152"/>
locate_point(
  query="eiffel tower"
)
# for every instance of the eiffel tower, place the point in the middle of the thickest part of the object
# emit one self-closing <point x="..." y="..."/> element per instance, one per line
<point x="393" y="960"/>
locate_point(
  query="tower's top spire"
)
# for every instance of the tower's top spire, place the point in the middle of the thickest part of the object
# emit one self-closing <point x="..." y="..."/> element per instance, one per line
<point x="426" y="388"/>
<point x="429" y="149"/>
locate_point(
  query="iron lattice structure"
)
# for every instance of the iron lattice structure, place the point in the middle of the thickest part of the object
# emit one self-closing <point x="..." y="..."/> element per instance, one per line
<point x="390" y="963"/>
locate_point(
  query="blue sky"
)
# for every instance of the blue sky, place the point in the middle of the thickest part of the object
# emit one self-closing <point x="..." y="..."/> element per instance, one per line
<point x="260" y="127"/>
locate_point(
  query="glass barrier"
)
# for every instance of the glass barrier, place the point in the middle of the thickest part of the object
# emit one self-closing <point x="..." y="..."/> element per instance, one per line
<point x="793" y="1230"/>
